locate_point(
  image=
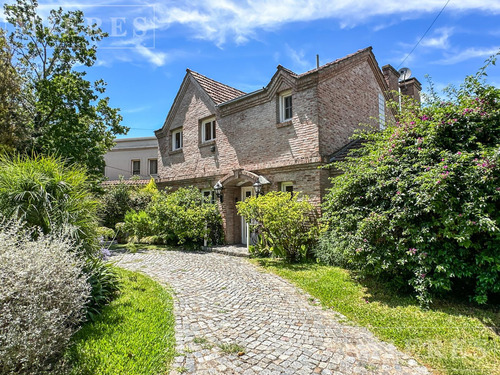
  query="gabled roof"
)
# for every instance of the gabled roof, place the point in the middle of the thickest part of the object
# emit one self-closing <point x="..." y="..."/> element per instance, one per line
<point x="281" y="69"/>
<point x="217" y="91"/>
<point x="335" y="62"/>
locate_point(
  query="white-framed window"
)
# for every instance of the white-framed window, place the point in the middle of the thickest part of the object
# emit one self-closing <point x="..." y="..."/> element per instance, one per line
<point x="285" y="104"/>
<point x="287" y="187"/>
<point x="208" y="130"/>
<point x="153" y="166"/>
<point x="208" y="195"/>
<point x="381" y="110"/>
<point x="177" y="139"/>
<point x="136" y="167"/>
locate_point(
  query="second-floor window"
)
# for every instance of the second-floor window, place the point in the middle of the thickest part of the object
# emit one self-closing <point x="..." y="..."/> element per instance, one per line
<point x="136" y="167"/>
<point x="208" y="130"/>
<point x="177" y="139"/>
<point x="153" y="166"/>
<point x="285" y="104"/>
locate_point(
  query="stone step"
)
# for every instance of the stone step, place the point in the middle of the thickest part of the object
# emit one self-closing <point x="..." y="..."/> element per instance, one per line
<point x="232" y="250"/>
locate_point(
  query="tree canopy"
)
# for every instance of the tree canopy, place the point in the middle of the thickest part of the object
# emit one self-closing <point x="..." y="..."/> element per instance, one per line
<point x="68" y="116"/>
<point x="14" y="131"/>
<point x="420" y="203"/>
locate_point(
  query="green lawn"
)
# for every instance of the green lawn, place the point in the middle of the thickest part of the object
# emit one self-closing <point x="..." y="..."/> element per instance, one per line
<point x="450" y="338"/>
<point x="134" y="334"/>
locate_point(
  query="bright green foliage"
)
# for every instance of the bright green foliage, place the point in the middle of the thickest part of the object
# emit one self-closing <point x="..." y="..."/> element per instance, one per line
<point x="43" y="192"/>
<point x="69" y="117"/>
<point x="287" y="224"/>
<point x="150" y="188"/>
<point x="134" y="335"/>
<point x="452" y="337"/>
<point x="105" y="233"/>
<point x="119" y="199"/>
<point x="138" y="224"/>
<point x="183" y="217"/>
<point x="421" y="203"/>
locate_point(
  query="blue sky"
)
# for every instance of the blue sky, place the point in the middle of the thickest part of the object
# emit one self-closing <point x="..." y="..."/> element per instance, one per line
<point x="240" y="43"/>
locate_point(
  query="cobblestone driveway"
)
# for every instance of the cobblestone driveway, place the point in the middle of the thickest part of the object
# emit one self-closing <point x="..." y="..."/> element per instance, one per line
<point x="221" y="299"/>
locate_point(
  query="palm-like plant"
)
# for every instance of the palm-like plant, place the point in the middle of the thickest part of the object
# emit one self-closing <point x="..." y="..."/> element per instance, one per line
<point x="45" y="193"/>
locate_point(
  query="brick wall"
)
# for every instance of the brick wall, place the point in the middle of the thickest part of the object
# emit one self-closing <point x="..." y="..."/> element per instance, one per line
<point x="249" y="139"/>
<point x="328" y="106"/>
<point x="347" y="98"/>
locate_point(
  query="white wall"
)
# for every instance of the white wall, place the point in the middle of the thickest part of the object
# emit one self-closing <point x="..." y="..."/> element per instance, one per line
<point x="119" y="158"/>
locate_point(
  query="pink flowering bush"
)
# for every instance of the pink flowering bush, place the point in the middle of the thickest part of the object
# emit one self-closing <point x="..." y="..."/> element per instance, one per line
<point x="420" y="203"/>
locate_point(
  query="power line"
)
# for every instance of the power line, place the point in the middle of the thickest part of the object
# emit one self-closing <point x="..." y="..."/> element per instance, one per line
<point x="423" y="36"/>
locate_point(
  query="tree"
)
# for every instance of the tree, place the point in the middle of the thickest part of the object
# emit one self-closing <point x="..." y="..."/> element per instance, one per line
<point x="69" y="117"/>
<point x="14" y="131"/>
<point x="420" y="205"/>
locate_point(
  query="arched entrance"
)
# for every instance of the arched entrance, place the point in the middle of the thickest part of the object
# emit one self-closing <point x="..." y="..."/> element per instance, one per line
<point x="237" y="186"/>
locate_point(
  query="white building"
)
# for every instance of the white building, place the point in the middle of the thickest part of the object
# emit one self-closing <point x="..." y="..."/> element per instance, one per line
<point x="132" y="157"/>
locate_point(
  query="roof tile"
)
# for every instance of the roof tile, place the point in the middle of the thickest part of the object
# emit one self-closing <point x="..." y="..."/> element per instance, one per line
<point x="219" y="92"/>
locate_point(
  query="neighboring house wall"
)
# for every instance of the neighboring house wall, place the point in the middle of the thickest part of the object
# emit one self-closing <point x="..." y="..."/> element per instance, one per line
<point x="119" y="160"/>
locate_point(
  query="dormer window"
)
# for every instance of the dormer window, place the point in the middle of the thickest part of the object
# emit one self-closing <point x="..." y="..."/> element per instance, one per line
<point x="285" y="106"/>
<point x="208" y="130"/>
<point x="177" y="139"/>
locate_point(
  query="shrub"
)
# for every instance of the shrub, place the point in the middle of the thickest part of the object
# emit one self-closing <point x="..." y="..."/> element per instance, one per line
<point x="104" y="284"/>
<point x="45" y="193"/>
<point x="421" y="204"/>
<point x="114" y="204"/>
<point x="107" y="234"/>
<point x="138" y="224"/>
<point x="119" y="199"/>
<point x="42" y="297"/>
<point x="286" y="223"/>
<point x="182" y="217"/>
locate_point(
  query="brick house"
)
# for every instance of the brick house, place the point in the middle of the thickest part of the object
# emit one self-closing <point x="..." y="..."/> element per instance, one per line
<point x="278" y="135"/>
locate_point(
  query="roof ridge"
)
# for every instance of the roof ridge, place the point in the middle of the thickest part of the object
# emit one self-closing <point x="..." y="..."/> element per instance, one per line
<point x="286" y="70"/>
<point x="358" y="52"/>
<point x="218" y="91"/>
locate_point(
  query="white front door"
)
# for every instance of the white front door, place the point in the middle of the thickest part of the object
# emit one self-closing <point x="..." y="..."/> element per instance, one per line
<point x="246" y="192"/>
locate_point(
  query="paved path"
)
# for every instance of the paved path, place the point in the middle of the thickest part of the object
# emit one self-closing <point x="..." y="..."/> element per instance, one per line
<point x="224" y="302"/>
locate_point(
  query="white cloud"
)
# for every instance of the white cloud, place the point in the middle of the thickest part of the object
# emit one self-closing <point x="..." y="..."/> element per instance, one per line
<point x="469" y="53"/>
<point x="137" y="109"/>
<point x="220" y="20"/>
<point x="440" y="41"/>
<point x="156" y="58"/>
<point x="298" y="58"/>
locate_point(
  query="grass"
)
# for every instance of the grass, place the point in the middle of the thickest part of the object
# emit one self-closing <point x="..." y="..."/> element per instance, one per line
<point x="453" y="337"/>
<point x="230" y="348"/>
<point x="134" y="334"/>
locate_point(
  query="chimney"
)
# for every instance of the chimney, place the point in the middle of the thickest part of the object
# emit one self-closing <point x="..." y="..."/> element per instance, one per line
<point x="411" y="87"/>
<point x="391" y="76"/>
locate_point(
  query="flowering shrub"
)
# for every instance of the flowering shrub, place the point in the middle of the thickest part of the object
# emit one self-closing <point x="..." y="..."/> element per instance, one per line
<point x="287" y="224"/>
<point x="421" y="203"/>
<point x="42" y="297"/>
